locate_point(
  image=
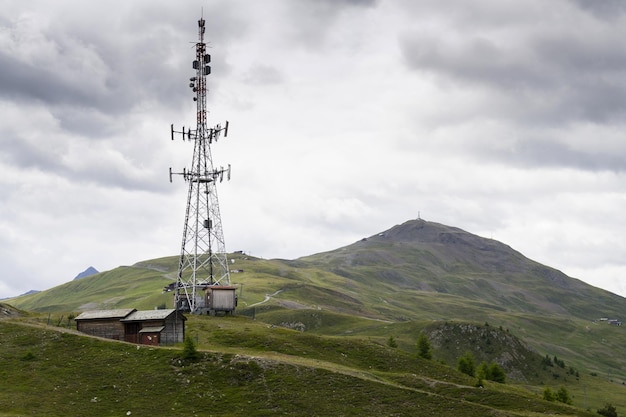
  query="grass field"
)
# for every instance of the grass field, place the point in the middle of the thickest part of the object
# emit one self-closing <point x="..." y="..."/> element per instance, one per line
<point x="247" y="368"/>
<point x="329" y="316"/>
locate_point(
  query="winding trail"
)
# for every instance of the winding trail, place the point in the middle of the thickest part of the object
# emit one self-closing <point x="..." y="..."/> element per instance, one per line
<point x="267" y="298"/>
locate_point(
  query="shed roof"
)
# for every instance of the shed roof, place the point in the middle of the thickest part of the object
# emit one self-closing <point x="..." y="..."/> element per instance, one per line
<point x="150" y="315"/>
<point x="105" y="314"/>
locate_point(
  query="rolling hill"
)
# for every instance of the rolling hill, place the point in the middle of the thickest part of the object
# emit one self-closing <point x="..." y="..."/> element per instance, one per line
<point x="244" y="368"/>
<point x="467" y="293"/>
<point x="428" y="258"/>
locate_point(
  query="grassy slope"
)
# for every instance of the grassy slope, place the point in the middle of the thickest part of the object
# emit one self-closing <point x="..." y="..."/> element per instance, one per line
<point x="366" y="290"/>
<point x="247" y="368"/>
<point x="139" y="286"/>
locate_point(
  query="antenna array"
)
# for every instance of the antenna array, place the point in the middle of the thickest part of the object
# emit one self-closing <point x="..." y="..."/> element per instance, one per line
<point x="203" y="263"/>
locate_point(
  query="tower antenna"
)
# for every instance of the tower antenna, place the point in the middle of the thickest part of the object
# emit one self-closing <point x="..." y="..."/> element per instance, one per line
<point x="203" y="279"/>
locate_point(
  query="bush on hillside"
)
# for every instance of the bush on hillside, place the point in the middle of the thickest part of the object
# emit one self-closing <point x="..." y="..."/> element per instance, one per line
<point x="190" y="353"/>
<point x="423" y="347"/>
<point x="466" y="364"/>
<point x="391" y="342"/>
<point x="608" y="411"/>
<point x="561" y="395"/>
<point x="491" y="372"/>
<point x="548" y="394"/>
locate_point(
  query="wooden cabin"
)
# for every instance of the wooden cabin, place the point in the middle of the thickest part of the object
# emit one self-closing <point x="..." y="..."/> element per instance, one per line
<point x="149" y="327"/>
<point x="154" y="327"/>
<point x="103" y="323"/>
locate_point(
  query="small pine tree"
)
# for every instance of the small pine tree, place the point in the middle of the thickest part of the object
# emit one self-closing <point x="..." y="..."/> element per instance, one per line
<point x="482" y="372"/>
<point x="190" y="352"/>
<point x="466" y="364"/>
<point x="423" y="347"/>
<point x="496" y="373"/>
<point x="546" y="361"/>
<point x="391" y="342"/>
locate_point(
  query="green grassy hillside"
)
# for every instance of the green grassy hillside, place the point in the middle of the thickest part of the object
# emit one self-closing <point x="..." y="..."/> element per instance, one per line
<point x="139" y="286"/>
<point x="416" y="277"/>
<point x="245" y="369"/>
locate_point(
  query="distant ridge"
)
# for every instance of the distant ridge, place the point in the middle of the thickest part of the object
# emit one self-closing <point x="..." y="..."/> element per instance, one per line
<point x="87" y="272"/>
<point x="415" y="270"/>
<point x="26" y="293"/>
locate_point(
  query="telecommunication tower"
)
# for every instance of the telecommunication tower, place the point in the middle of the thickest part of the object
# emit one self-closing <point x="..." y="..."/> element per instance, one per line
<point x="203" y="280"/>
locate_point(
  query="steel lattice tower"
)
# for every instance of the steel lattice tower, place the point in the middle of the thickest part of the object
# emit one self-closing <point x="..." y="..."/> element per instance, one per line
<point x="203" y="262"/>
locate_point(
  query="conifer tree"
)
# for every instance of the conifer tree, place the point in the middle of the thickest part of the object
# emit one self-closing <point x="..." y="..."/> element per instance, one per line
<point x="466" y="364"/>
<point x="423" y="347"/>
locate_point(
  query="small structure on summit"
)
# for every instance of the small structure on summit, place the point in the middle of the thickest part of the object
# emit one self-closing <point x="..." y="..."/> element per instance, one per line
<point x="149" y="327"/>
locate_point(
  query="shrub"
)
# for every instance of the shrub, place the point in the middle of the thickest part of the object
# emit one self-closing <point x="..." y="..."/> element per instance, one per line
<point x="608" y="411"/>
<point x="563" y="396"/>
<point x="423" y="347"/>
<point x="482" y="372"/>
<point x="391" y="342"/>
<point x="546" y="361"/>
<point x="491" y="372"/>
<point x="496" y="373"/>
<point x="190" y="352"/>
<point x="466" y="364"/>
<point x="548" y="394"/>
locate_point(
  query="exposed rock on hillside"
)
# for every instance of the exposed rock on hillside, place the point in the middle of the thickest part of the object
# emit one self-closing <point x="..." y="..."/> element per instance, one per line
<point x="6" y="311"/>
<point x="487" y="344"/>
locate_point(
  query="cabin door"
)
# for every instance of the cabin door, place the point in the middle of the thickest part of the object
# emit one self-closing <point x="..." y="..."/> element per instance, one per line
<point x="131" y="332"/>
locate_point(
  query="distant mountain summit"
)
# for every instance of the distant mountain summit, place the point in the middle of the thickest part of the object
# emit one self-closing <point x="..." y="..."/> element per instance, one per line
<point x="87" y="272"/>
<point x="420" y="257"/>
<point x="415" y="270"/>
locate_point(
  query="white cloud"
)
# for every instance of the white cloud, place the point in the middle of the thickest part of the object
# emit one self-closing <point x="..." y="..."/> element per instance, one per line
<point x="346" y="118"/>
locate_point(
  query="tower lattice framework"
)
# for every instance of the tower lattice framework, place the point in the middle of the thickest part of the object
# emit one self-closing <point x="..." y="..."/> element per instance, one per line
<point x="203" y="262"/>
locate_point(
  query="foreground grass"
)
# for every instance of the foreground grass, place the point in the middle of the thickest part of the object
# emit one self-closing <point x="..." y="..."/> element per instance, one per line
<point x="265" y="372"/>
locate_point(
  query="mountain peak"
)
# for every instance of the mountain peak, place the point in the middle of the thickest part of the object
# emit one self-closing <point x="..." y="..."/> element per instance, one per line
<point x="87" y="272"/>
<point x="420" y="230"/>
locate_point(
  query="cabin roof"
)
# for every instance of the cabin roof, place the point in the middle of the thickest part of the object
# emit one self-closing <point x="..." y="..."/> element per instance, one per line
<point x="150" y="315"/>
<point x="105" y="314"/>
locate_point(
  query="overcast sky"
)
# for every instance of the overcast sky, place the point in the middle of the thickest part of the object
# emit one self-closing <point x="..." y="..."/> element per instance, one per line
<point x="502" y="117"/>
